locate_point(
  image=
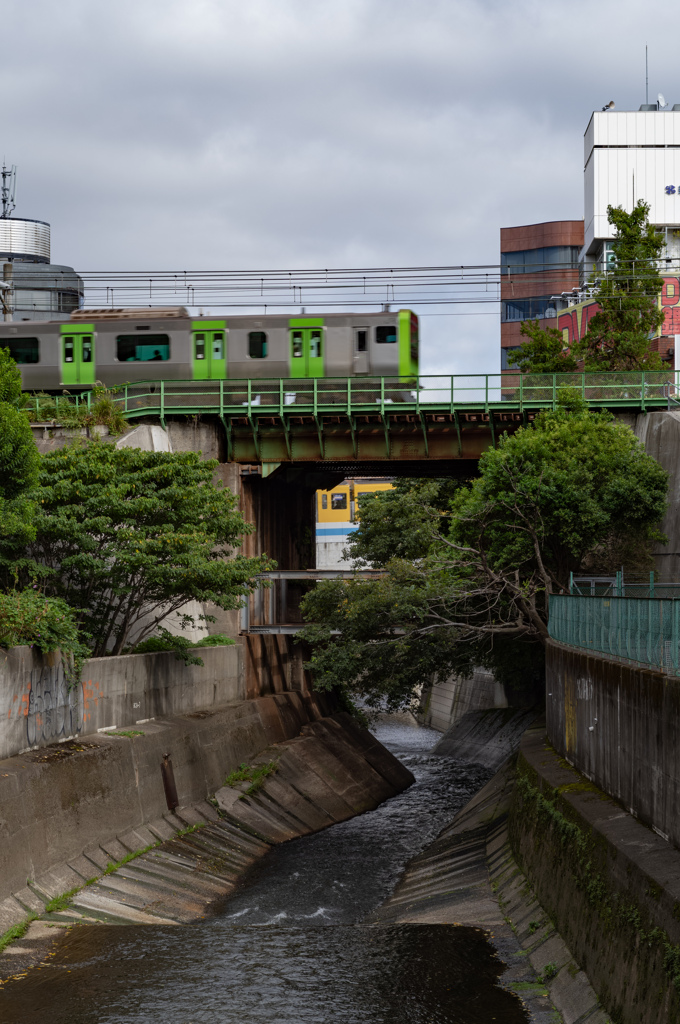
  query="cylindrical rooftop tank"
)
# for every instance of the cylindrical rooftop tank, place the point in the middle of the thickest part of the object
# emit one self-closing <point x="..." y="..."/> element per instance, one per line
<point x="23" y="240"/>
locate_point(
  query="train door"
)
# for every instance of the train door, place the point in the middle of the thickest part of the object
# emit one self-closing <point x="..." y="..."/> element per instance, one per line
<point x="360" y="361"/>
<point x="209" y="349"/>
<point x="306" y="348"/>
<point x="77" y="354"/>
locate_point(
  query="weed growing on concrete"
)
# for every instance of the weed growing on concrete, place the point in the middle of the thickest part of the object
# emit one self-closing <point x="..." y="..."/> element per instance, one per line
<point x="61" y="902"/>
<point x="17" y="931"/>
<point x="130" y="733"/>
<point x="254" y="774"/>
<point x="550" y="971"/>
<point x="612" y="909"/>
<point x="534" y="926"/>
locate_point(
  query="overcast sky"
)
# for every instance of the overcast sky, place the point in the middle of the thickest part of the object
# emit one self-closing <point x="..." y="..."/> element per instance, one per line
<point x="159" y="134"/>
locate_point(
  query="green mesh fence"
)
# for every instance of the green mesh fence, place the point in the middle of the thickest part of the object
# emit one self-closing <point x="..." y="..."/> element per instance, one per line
<point x="643" y="630"/>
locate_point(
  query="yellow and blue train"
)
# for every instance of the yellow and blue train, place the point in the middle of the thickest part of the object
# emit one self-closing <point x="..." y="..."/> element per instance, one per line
<point x="117" y="346"/>
<point x="337" y="514"/>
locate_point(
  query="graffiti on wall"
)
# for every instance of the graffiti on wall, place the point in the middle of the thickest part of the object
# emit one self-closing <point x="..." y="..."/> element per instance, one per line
<point x="573" y="322"/>
<point x="53" y="711"/>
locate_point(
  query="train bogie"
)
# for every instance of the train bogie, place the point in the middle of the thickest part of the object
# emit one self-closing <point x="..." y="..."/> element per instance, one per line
<point x="124" y="346"/>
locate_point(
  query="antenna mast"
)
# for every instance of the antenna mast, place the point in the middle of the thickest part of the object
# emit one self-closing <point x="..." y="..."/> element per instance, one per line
<point x="646" y="77"/>
<point x="9" y="184"/>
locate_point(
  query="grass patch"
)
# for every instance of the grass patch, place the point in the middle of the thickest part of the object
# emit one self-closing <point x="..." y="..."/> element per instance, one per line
<point x="17" y="931"/>
<point x="130" y="733"/>
<point x="61" y="902"/>
<point x="254" y="774"/>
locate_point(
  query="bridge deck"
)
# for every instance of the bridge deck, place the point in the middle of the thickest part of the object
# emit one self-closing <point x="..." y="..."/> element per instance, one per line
<point x="383" y="418"/>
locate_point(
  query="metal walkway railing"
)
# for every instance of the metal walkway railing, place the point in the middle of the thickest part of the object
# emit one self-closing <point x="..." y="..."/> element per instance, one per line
<point x="645" y="631"/>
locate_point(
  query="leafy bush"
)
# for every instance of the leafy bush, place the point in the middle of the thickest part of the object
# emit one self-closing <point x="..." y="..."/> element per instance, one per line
<point x="180" y="645"/>
<point x="72" y="412"/>
<point x="28" y="617"/>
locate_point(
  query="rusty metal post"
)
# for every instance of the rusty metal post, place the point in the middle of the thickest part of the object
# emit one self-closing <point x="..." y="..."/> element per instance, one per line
<point x="169" y="783"/>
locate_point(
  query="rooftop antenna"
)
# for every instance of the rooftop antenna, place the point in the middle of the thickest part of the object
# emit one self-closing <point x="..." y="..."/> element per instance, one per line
<point x="9" y="184"/>
<point x="646" y="77"/>
<point x="661" y="101"/>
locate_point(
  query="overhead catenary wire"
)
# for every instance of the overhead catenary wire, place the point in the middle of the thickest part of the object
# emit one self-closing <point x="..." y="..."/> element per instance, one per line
<point x="342" y="287"/>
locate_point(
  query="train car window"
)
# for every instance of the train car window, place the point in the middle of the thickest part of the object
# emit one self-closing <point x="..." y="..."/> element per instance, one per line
<point x="297" y="345"/>
<point x="68" y="350"/>
<point x="324" y="501"/>
<point x="361" y="495"/>
<point x="199" y="346"/>
<point x="130" y="348"/>
<point x="386" y="335"/>
<point x="338" y="501"/>
<point x="218" y="346"/>
<point x="87" y="349"/>
<point x="315" y="346"/>
<point x="257" y="345"/>
<point x="362" y="340"/>
<point x="23" y="350"/>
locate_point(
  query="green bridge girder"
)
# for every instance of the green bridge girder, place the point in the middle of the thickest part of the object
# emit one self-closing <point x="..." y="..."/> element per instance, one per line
<point x="369" y="419"/>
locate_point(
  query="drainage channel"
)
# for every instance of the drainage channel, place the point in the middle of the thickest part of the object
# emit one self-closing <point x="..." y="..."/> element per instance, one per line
<point x="291" y="944"/>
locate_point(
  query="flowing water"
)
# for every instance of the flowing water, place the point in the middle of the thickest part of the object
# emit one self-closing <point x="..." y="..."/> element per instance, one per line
<point x="289" y="946"/>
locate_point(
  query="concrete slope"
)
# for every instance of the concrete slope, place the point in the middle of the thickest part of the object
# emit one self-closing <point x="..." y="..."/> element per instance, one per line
<point x="487" y="737"/>
<point x="176" y="867"/>
<point x="468" y="877"/>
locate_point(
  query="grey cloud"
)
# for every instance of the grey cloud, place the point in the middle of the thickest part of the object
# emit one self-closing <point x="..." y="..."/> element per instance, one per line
<point x="304" y="133"/>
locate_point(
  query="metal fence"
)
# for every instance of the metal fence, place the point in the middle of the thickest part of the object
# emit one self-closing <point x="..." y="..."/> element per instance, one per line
<point x="637" y="629"/>
<point x="506" y="392"/>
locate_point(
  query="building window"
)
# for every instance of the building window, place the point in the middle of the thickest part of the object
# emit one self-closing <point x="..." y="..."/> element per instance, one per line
<point x="529" y="309"/>
<point x="386" y="335"/>
<point x="257" y="345"/>
<point x="130" y="348"/>
<point x="532" y="261"/>
<point x="338" y="501"/>
<point x="23" y="350"/>
<point x="504" y="356"/>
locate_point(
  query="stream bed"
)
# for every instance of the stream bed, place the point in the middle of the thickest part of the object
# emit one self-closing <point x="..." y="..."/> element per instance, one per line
<point x="289" y="946"/>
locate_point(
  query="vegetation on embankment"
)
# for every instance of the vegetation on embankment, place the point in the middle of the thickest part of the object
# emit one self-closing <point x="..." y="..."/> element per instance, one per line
<point x="99" y="544"/>
<point x="605" y="880"/>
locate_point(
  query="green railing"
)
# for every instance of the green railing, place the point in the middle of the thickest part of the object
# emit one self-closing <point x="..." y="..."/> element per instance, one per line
<point x="641" y="630"/>
<point x="505" y="392"/>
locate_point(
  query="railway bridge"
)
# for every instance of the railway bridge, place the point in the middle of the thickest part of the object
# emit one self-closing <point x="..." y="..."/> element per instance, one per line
<point x="279" y="440"/>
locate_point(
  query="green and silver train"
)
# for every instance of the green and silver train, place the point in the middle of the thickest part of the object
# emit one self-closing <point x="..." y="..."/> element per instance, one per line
<point x="118" y="346"/>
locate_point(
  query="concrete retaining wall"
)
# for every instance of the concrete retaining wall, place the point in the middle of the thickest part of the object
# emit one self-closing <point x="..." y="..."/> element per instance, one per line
<point x="609" y="884"/>
<point x="77" y="798"/>
<point x="447" y="702"/>
<point x="619" y="725"/>
<point x="38" y="708"/>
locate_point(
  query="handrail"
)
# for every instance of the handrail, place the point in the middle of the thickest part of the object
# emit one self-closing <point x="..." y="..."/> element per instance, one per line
<point x="281" y="396"/>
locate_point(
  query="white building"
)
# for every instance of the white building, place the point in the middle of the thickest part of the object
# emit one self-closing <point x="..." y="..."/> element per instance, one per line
<point x="631" y="155"/>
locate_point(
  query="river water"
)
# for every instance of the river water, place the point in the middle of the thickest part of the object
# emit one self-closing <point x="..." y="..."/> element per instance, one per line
<point x="289" y="946"/>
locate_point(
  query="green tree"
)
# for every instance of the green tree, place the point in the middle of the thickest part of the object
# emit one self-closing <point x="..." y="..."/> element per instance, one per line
<point x="126" y="537"/>
<point x="19" y="457"/>
<point x="544" y="352"/>
<point x="572" y="492"/>
<point x="618" y="335"/>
